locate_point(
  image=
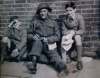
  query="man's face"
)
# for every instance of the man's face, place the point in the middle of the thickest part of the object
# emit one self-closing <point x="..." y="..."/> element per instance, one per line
<point x="43" y="13"/>
<point x="17" y="23"/>
<point x="70" y="11"/>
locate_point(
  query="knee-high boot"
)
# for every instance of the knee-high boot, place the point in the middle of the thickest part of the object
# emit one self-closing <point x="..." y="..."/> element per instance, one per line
<point x="33" y="67"/>
<point x="34" y="63"/>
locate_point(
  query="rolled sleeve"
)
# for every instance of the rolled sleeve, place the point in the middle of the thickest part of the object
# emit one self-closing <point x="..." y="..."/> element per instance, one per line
<point x="81" y="25"/>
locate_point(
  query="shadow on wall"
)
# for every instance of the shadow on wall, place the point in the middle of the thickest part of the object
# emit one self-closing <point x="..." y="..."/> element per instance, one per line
<point x="0" y="28"/>
<point x="98" y="49"/>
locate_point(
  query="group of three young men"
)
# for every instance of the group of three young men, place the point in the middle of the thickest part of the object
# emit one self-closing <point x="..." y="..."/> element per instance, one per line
<point x="44" y="31"/>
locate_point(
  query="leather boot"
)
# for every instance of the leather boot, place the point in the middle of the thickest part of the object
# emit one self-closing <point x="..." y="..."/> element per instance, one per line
<point x="34" y="62"/>
<point x="64" y="73"/>
<point x="33" y="67"/>
<point x="79" y="64"/>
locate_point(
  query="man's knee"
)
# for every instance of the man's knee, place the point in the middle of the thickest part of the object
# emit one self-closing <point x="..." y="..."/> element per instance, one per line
<point x="6" y="40"/>
<point x="78" y="40"/>
<point x="36" y="48"/>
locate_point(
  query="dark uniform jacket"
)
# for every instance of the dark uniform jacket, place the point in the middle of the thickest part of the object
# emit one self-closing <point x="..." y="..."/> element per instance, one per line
<point x="45" y="28"/>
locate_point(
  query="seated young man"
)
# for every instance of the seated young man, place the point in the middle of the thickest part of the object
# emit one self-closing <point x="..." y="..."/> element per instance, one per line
<point x="72" y="29"/>
<point x="15" y="39"/>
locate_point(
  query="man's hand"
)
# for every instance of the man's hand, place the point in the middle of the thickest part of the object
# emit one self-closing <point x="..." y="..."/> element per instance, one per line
<point x="69" y="35"/>
<point x="44" y="39"/>
<point x="15" y="53"/>
<point x="72" y="32"/>
<point x="13" y="22"/>
<point x="36" y="37"/>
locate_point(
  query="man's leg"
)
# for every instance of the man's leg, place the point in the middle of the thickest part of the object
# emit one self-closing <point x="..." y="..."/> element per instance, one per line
<point x="79" y="48"/>
<point x="34" y="54"/>
<point x="3" y="53"/>
<point x="5" y="45"/>
<point x="56" y="61"/>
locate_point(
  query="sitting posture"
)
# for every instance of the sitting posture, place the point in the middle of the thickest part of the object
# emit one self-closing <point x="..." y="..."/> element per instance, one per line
<point x="15" y="39"/>
<point x="44" y="32"/>
<point x="72" y="30"/>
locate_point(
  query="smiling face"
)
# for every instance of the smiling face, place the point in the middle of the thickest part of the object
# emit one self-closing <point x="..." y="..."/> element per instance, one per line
<point x="70" y="11"/>
<point x="43" y="13"/>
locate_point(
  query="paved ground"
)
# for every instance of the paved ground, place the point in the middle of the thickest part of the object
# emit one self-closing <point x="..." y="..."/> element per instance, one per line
<point x="18" y="70"/>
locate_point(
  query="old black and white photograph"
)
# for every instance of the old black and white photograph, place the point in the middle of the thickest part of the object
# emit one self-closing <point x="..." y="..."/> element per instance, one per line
<point x="49" y="39"/>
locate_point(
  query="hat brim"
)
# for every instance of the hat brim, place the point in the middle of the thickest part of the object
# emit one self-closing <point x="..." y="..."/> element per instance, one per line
<point x="48" y="8"/>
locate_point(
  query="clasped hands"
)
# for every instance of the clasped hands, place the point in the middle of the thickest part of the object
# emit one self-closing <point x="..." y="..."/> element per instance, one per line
<point x="37" y="37"/>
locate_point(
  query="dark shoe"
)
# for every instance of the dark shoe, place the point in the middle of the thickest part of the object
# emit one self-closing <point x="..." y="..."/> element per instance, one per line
<point x="11" y="59"/>
<point x="2" y="59"/>
<point x="18" y="58"/>
<point x="32" y="68"/>
<point x="63" y="74"/>
<point x="79" y="65"/>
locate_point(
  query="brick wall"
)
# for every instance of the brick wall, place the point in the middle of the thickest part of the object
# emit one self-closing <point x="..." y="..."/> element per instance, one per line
<point x="26" y="8"/>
